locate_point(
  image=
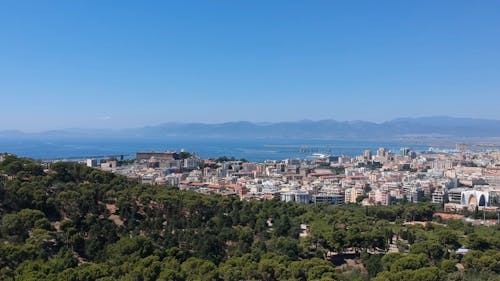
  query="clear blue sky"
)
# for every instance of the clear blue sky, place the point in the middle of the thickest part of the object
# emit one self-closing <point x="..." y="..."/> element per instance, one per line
<point x="133" y="63"/>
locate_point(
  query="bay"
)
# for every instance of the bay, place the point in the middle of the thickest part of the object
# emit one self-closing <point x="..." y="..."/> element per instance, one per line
<point x="256" y="150"/>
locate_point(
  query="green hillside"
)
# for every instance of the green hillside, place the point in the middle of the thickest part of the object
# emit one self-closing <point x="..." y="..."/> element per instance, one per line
<point x="71" y="222"/>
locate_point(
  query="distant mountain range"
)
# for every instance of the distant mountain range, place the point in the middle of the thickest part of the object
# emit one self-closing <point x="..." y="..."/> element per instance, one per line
<point x="402" y="128"/>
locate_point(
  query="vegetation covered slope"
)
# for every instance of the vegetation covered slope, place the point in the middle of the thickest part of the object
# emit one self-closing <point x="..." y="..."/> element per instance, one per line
<point x="70" y="222"/>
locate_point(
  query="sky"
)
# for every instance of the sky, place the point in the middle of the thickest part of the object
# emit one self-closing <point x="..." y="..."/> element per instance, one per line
<point x="118" y="64"/>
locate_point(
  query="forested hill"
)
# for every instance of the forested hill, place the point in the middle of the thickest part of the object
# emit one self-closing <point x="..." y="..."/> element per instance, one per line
<point x="71" y="222"/>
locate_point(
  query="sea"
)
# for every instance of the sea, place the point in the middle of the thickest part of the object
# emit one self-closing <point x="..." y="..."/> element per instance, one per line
<point x="255" y="150"/>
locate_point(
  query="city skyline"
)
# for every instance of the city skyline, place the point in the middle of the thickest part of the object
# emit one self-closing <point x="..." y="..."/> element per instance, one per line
<point x="102" y="65"/>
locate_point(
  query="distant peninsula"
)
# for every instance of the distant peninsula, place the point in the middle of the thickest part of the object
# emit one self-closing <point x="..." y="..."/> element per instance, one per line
<point x="436" y="128"/>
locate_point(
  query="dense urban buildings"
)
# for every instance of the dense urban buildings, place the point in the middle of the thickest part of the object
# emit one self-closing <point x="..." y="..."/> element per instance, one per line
<point x="459" y="180"/>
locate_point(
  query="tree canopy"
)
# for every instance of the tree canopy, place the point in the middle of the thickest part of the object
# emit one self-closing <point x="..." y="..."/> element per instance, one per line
<point x="71" y="222"/>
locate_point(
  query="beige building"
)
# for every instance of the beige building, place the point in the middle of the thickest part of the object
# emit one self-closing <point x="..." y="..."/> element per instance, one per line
<point x="379" y="196"/>
<point x="351" y="194"/>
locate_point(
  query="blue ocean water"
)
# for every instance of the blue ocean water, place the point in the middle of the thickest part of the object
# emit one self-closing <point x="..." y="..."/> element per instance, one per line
<point x="251" y="149"/>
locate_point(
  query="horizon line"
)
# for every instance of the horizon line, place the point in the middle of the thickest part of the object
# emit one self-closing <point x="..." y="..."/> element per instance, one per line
<point x="240" y="121"/>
